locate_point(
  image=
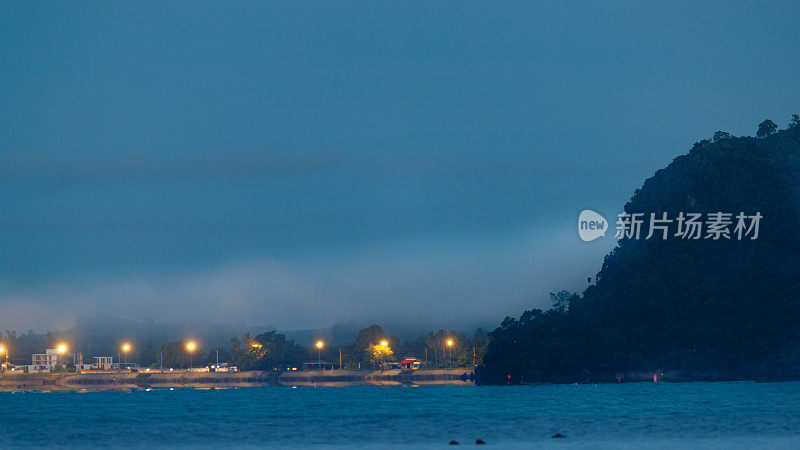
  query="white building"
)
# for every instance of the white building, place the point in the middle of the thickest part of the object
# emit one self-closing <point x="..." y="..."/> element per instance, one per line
<point x="104" y="363"/>
<point x="52" y="359"/>
<point x="100" y="363"/>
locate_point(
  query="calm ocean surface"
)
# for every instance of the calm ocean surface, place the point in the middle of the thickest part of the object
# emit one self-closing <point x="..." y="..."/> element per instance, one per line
<point x="635" y="415"/>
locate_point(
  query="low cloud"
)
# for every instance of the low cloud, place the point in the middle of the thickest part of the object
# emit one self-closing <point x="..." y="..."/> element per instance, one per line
<point x="446" y="284"/>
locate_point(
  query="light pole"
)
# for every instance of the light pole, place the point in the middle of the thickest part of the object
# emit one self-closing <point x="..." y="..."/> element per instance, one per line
<point x="450" y="346"/>
<point x="62" y="349"/>
<point x="320" y="344"/>
<point x="125" y="349"/>
<point x="190" y="348"/>
<point x="3" y="350"/>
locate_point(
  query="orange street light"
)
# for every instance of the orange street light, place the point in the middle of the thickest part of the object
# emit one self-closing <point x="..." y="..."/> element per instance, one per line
<point x="190" y="347"/>
<point x="320" y="344"/>
<point x="450" y="346"/>
<point x="125" y="349"/>
<point x="384" y="343"/>
<point x="62" y="348"/>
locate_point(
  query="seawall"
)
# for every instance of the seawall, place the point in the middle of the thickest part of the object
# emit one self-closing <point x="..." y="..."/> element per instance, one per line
<point x="422" y="377"/>
<point x="127" y="380"/>
<point x="142" y="380"/>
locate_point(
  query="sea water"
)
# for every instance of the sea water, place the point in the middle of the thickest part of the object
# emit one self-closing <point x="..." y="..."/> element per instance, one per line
<point x="633" y="415"/>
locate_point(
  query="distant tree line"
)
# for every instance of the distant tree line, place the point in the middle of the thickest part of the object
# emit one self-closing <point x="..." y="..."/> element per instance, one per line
<point x="273" y="351"/>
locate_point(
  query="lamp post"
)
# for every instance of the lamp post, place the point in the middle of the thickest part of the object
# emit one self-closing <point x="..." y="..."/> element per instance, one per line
<point x="190" y="347"/>
<point x="320" y="344"/>
<point x="3" y="350"/>
<point x="125" y="349"/>
<point x="450" y="346"/>
<point x="62" y="349"/>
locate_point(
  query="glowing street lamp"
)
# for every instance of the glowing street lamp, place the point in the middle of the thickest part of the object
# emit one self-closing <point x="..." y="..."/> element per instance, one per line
<point x="450" y="346"/>
<point x="125" y="349"/>
<point x="3" y="350"/>
<point x="320" y="344"/>
<point x="62" y="349"/>
<point x="190" y="347"/>
<point x="384" y="343"/>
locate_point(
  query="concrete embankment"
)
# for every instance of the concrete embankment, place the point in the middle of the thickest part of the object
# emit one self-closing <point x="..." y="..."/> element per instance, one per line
<point x="127" y="380"/>
<point x="455" y="377"/>
<point x="142" y="380"/>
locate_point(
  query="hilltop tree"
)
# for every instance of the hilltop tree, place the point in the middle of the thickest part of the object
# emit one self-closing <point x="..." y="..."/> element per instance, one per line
<point x="766" y="128"/>
<point x="721" y="136"/>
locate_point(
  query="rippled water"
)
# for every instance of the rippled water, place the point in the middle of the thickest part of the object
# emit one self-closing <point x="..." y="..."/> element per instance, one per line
<point x="664" y="415"/>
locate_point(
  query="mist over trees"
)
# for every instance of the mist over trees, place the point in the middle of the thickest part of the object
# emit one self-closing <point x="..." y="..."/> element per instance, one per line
<point x="268" y="350"/>
<point x="102" y="335"/>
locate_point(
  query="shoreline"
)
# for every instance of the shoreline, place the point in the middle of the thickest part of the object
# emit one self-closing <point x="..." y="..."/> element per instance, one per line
<point x="147" y="380"/>
<point x="645" y="376"/>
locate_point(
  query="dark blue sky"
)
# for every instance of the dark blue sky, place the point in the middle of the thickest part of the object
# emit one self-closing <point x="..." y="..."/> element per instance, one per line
<point x="296" y="165"/>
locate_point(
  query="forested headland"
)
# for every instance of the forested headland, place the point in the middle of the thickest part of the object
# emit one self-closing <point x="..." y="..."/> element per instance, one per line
<point x="729" y="306"/>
